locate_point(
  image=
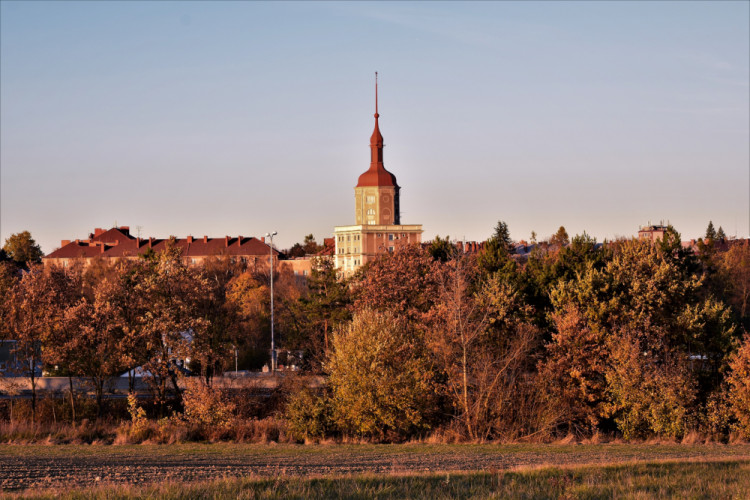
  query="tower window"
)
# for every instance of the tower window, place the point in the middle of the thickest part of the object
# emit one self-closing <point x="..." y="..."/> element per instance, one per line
<point x="369" y="199"/>
<point x="390" y="237"/>
<point x="370" y="211"/>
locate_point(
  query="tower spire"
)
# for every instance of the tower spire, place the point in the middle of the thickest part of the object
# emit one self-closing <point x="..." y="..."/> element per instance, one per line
<point x="376" y="94"/>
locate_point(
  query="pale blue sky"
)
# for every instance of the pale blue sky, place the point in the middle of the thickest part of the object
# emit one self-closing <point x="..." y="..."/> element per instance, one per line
<point x="228" y="118"/>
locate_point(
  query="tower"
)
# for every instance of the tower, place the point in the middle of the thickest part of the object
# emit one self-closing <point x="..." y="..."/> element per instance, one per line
<point x="378" y="227"/>
<point x="377" y="192"/>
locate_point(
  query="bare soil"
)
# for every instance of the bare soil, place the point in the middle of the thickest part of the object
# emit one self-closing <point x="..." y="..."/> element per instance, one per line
<point x="39" y="466"/>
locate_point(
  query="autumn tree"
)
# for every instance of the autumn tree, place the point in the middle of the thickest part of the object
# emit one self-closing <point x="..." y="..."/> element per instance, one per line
<point x="22" y="249"/>
<point x="35" y="314"/>
<point x="560" y="238"/>
<point x="481" y="343"/>
<point x="90" y="342"/>
<point x="650" y="390"/>
<point x="403" y="282"/>
<point x="735" y="273"/>
<point x="381" y="380"/>
<point x="171" y="290"/>
<point x="739" y="387"/>
<point x="249" y="294"/>
<point x="9" y="277"/>
<point x="213" y="337"/>
<point x="573" y="371"/>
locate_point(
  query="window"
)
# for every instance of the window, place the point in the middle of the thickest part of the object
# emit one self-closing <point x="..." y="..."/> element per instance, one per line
<point x="370" y="211"/>
<point x="390" y="237"/>
<point x="369" y="199"/>
<point x="348" y="237"/>
<point x="390" y="249"/>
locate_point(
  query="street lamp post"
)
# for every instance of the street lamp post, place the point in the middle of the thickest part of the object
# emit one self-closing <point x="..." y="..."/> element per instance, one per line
<point x="270" y="267"/>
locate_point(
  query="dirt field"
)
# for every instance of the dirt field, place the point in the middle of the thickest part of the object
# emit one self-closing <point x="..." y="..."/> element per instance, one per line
<point x="39" y="466"/>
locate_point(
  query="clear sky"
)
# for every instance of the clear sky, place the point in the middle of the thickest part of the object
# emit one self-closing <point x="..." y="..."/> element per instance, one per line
<point x="239" y="118"/>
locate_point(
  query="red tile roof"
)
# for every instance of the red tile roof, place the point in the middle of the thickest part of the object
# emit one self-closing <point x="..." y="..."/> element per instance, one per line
<point x="115" y="243"/>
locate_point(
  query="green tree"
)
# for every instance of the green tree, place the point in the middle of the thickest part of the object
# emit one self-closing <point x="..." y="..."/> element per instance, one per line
<point x="325" y="307"/>
<point x="661" y="305"/>
<point x="381" y="381"/>
<point x="710" y="231"/>
<point x="22" y="249"/>
<point x="721" y="235"/>
<point x="441" y="248"/>
<point x="502" y="236"/>
<point x="310" y="245"/>
<point x="494" y="258"/>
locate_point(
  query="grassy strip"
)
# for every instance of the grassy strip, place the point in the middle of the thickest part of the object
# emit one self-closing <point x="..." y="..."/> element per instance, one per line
<point x="717" y="479"/>
<point x="614" y="451"/>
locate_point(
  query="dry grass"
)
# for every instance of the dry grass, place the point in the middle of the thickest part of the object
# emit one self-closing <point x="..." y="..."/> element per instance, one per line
<point x="164" y="431"/>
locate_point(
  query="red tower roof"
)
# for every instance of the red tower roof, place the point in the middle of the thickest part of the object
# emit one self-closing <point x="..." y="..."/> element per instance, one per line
<point x="376" y="175"/>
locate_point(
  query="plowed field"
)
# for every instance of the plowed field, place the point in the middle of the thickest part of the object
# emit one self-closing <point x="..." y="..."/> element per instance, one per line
<point x="39" y="466"/>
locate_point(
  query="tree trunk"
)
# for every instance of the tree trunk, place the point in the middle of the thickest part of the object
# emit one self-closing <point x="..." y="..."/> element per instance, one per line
<point x="99" y="388"/>
<point x="72" y="400"/>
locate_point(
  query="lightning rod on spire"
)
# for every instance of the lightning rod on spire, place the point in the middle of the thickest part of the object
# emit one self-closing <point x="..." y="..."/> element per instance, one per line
<point x="376" y="93"/>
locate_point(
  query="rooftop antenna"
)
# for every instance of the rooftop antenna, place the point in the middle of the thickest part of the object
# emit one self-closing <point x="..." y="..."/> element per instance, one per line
<point x="138" y="230"/>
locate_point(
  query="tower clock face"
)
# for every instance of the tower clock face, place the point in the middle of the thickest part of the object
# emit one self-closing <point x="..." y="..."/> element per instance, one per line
<point x="386" y="198"/>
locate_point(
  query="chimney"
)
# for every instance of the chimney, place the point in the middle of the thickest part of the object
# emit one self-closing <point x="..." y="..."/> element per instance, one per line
<point x="64" y="242"/>
<point x="98" y="231"/>
<point x="239" y="241"/>
<point x="205" y="239"/>
<point x="263" y="239"/>
<point x="189" y="239"/>
<point x="150" y="241"/>
<point x="102" y="247"/>
<point x="226" y="241"/>
<point x="125" y="230"/>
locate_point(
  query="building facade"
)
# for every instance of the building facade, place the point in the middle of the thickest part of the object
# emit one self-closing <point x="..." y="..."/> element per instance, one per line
<point x="378" y="228"/>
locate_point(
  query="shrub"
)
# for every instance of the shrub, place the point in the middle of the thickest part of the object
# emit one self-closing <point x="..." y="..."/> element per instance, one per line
<point x="206" y="407"/>
<point x="309" y="415"/>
